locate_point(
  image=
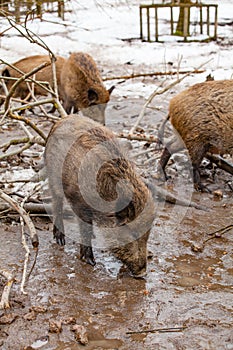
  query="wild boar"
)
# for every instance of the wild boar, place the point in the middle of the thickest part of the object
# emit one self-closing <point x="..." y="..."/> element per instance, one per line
<point x="26" y="65"/>
<point x="85" y="165"/>
<point x="203" y="117"/>
<point x="79" y="83"/>
<point x="82" y="87"/>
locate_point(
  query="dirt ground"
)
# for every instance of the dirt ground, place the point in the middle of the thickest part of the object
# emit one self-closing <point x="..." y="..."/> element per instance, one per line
<point x="185" y="302"/>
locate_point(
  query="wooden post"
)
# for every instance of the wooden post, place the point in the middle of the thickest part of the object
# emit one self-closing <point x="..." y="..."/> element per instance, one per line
<point x="17" y="11"/>
<point x="216" y="22"/>
<point x="148" y="23"/>
<point x="140" y="16"/>
<point x="156" y="25"/>
<point x="201" y="20"/>
<point x="172" y="21"/>
<point x="61" y="9"/>
<point x="186" y="22"/>
<point x="208" y="20"/>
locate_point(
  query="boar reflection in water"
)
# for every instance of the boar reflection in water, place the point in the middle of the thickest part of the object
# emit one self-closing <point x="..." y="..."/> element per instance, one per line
<point x="85" y="164"/>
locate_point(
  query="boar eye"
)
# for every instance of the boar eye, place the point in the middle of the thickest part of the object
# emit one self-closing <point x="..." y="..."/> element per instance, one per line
<point x="6" y="73"/>
<point x="92" y="96"/>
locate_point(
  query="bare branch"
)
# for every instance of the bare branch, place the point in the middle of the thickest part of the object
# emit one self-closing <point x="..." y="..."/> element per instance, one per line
<point x="28" y="122"/>
<point x="25" y="216"/>
<point x="160" y="92"/>
<point x="138" y="75"/>
<point x="25" y="76"/>
<point x="5" y="303"/>
<point x="137" y="137"/>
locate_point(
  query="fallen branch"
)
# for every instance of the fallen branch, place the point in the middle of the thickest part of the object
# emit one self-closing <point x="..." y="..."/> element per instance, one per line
<point x="159" y="330"/>
<point x="19" y="81"/>
<point x="36" y="208"/>
<point x="161" y="193"/>
<point x="215" y="234"/>
<point x="137" y="137"/>
<point x="218" y="233"/>
<point x="24" y="242"/>
<point x="24" y="215"/>
<point x="28" y="122"/>
<point x="220" y="162"/>
<point x="138" y="75"/>
<point x="5" y="303"/>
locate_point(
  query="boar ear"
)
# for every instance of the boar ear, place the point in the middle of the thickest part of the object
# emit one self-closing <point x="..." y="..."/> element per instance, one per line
<point x="92" y="96"/>
<point x="6" y="73"/>
<point x="111" y="89"/>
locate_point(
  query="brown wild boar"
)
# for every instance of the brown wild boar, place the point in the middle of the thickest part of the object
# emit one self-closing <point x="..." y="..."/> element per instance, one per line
<point x="79" y="82"/>
<point x="82" y="87"/>
<point x="203" y="117"/>
<point x="85" y="165"/>
<point x="26" y="65"/>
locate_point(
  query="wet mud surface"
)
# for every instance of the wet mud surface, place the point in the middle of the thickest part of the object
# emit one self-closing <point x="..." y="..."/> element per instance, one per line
<point x="184" y="302"/>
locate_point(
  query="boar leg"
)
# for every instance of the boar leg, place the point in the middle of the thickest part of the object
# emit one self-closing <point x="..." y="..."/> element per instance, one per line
<point x="197" y="180"/>
<point x="163" y="161"/>
<point x="86" y="253"/>
<point x="58" y="226"/>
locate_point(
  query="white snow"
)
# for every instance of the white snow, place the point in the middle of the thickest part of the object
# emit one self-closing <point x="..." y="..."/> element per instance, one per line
<point x="98" y="27"/>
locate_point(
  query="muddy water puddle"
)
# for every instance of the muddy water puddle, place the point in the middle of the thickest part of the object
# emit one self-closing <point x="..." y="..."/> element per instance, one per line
<point x="186" y="294"/>
<point x="185" y="302"/>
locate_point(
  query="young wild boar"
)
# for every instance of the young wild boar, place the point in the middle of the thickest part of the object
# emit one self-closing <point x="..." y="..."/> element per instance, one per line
<point x="82" y="87"/>
<point x="28" y="64"/>
<point x="79" y="83"/>
<point x="203" y="117"/>
<point x="85" y="164"/>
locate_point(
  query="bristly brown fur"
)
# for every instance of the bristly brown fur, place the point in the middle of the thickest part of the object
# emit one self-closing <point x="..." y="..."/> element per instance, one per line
<point x="79" y="83"/>
<point x="26" y="65"/>
<point x="69" y="145"/>
<point x="203" y="117"/>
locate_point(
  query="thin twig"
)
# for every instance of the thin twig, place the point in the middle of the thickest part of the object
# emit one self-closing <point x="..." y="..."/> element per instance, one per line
<point x="24" y="242"/>
<point x="19" y="81"/>
<point x="137" y="137"/>
<point x="28" y="122"/>
<point x="15" y="205"/>
<point x="138" y="75"/>
<point x="43" y="84"/>
<point x="215" y="234"/>
<point x="5" y="303"/>
<point x="159" y="330"/>
<point x="160" y="92"/>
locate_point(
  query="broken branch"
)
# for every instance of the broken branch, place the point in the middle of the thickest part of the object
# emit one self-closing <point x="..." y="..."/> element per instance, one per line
<point x="138" y="75"/>
<point x="5" y="303"/>
<point x="24" y="215"/>
<point x="160" y="92"/>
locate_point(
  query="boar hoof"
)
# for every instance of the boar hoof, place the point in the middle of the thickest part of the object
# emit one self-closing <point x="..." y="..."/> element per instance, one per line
<point x="59" y="236"/>
<point x="86" y="254"/>
<point x="201" y="188"/>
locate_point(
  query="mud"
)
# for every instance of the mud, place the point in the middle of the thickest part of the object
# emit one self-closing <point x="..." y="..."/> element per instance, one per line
<point x="185" y="302"/>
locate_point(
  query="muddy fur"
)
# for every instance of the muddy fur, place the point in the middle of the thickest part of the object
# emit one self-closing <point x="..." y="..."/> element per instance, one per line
<point x="82" y="86"/>
<point x="203" y="117"/>
<point x="106" y="176"/>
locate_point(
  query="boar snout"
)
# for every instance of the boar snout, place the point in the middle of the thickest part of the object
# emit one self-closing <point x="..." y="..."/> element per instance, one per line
<point x="134" y="256"/>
